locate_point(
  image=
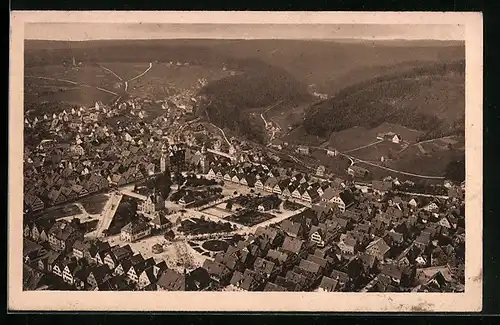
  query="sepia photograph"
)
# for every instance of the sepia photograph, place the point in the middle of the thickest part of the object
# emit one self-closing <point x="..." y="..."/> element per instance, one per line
<point x="239" y="161"/>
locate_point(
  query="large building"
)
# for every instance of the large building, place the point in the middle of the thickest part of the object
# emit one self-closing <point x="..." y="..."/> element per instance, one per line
<point x="135" y="231"/>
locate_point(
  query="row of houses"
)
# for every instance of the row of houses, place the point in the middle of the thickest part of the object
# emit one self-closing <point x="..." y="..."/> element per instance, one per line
<point x="292" y="185"/>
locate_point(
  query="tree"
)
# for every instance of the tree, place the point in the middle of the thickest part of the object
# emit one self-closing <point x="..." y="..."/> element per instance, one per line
<point x="163" y="183"/>
<point x="229" y="205"/>
<point x="169" y="235"/>
<point x="455" y="171"/>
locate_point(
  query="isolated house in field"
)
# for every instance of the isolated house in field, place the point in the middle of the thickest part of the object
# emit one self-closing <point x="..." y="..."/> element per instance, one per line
<point x="332" y="152"/>
<point x="303" y="150"/>
<point x="390" y="136"/>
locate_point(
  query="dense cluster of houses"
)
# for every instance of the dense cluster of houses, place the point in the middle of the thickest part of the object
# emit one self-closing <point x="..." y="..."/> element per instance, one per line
<point x="58" y="257"/>
<point x="378" y="244"/>
<point x="348" y="239"/>
<point x="80" y="151"/>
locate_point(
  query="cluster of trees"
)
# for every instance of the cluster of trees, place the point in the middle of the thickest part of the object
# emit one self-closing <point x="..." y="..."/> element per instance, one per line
<point x="423" y="187"/>
<point x="161" y="183"/>
<point x="369" y="103"/>
<point x="125" y="213"/>
<point x="455" y="171"/>
<point x="193" y="181"/>
<point x="203" y="226"/>
<point x="258" y="86"/>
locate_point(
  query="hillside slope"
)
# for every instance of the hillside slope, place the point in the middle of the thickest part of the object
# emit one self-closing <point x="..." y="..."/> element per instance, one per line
<point x="430" y="99"/>
<point x="229" y="100"/>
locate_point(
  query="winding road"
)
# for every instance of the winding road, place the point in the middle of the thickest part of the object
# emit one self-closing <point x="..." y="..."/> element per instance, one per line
<point x="223" y="134"/>
<point x="354" y="160"/>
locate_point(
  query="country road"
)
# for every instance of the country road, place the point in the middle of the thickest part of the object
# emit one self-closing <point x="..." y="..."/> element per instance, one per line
<point x="357" y="160"/>
<point x="141" y="74"/>
<point x="267" y="110"/>
<point x="74" y="83"/>
<point x="223" y="134"/>
<point x="389" y="169"/>
<point x="425" y="141"/>
<point x="112" y="72"/>
<point x="365" y="146"/>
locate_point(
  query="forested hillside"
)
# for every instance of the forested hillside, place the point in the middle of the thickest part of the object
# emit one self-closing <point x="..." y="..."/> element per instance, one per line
<point x="231" y="97"/>
<point x="430" y="99"/>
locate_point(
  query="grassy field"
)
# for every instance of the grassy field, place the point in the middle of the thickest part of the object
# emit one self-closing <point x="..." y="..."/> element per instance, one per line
<point x="300" y="136"/>
<point x="89" y="74"/>
<point x="359" y="136"/>
<point x="407" y="134"/>
<point x="433" y="162"/>
<point x="336" y="165"/>
<point x="41" y="90"/>
<point x="351" y="138"/>
<point x="375" y="152"/>
<point x="61" y="212"/>
<point x="126" y="70"/>
<point x="250" y="218"/>
<point x="94" y="204"/>
<point x="164" y="79"/>
<point x="81" y="96"/>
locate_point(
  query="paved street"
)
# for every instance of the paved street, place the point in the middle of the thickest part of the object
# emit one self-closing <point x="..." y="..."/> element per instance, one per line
<point x="108" y="213"/>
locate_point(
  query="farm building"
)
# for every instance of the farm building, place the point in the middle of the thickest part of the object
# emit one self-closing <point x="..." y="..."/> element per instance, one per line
<point x="389" y="136"/>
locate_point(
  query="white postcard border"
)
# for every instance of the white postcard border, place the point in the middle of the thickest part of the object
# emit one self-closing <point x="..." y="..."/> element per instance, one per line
<point x="470" y="300"/>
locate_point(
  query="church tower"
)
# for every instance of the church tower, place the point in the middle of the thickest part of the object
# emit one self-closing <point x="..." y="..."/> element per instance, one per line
<point x="204" y="164"/>
<point x="163" y="159"/>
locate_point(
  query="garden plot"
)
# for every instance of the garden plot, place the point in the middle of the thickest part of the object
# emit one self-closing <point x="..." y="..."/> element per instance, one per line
<point x="218" y="211"/>
<point x="250" y="218"/>
<point x="94" y="204"/>
<point x="60" y="212"/>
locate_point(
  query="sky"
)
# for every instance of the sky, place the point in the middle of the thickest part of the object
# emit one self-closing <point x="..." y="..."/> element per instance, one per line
<point x="107" y="31"/>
